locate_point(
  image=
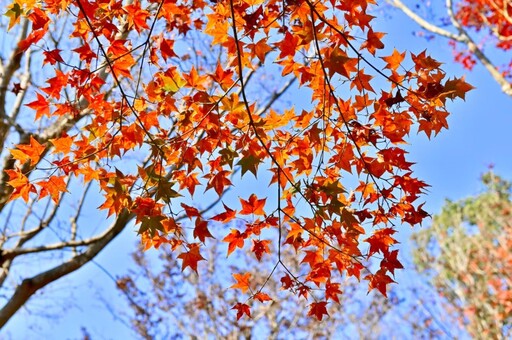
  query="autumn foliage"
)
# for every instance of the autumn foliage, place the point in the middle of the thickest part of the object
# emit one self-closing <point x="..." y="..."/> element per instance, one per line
<point x="163" y="135"/>
<point x="466" y="256"/>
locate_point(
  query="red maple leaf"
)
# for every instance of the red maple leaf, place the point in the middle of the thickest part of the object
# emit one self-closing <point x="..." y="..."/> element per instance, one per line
<point x="390" y="262"/>
<point x="318" y="309"/>
<point x="242" y="309"/>
<point x="259" y="247"/>
<point x="201" y="230"/>
<point x="379" y="280"/>
<point x="226" y="216"/>
<point x="191" y="257"/>
<point x="381" y="240"/>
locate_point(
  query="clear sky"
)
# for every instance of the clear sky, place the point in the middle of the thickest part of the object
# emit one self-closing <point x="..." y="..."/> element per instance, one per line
<point x="451" y="163"/>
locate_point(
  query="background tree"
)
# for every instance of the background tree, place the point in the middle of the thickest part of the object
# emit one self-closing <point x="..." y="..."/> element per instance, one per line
<point x="166" y="303"/>
<point x="466" y="256"/>
<point x="477" y="30"/>
<point x="120" y="105"/>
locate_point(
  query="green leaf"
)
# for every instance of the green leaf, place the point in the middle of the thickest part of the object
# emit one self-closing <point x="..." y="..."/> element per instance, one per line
<point x="249" y="163"/>
<point x="151" y="224"/>
<point x="165" y="192"/>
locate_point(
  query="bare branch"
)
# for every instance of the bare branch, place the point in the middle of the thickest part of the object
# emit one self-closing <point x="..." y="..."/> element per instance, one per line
<point x="424" y="23"/>
<point x="31" y="285"/>
<point x="462" y="37"/>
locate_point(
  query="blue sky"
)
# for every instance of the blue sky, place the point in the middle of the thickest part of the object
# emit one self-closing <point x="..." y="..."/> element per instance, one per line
<point x="451" y="163"/>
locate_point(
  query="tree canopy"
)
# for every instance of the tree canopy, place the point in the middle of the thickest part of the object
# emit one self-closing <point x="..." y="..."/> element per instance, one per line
<point x="167" y="108"/>
<point x="466" y="255"/>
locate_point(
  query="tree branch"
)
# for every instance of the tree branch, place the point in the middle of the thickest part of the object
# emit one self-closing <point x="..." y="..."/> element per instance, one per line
<point x="424" y="23"/>
<point x="463" y="37"/>
<point x="31" y="285"/>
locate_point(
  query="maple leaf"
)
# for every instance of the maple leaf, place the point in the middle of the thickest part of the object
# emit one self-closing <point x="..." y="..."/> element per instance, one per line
<point x="260" y="49"/>
<point x="166" y="47"/>
<point x="32" y="38"/>
<point x="373" y="41"/>
<point x="318" y="309"/>
<point x="14" y="13"/>
<point x="122" y="66"/>
<point x="62" y="144"/>
<point x="54" y="186"/>
<point x="379" y="280"/>
<point x="242" y="309"/>
<point x="288" y="45"/>
<point x="39" y="19"/>
<point x="262" y="297"/>
<point x="332" y="290"/>
<point x="303" y="291"/>
<point x="287" y="282"/>
<point x="16" y="88"/>
<point x="218" y="181"/>
<point x="340" y="63"/>
<point x="165" y="192"/>
<point x="390" y="262"/>
<point x="52" y="57"/>
<point x="151" y="224"/>
<point x="85" y="53"/>
<point x="253" y="206"/>
<point x="226" y="216"/>
<point x="224" y="77"/>
<point x="191" y="257"/>
<point x="243" y="281"/>
<point x="260" y="247"/>
<point x="249" y="163"/>
<point x="21" y="184"/>
<point x="201" y="230"/>
<point x="137" y="16"/>
<point x="235" y="239"/>
<point x="190" y="211"/>
<point x="381" y="240"/>
<point x="24" y="152"/>
<point x="394" y="60"/>
<point x="41" y="106"/>
<point x="456" y="88"/>
<point x="312" y="258"/>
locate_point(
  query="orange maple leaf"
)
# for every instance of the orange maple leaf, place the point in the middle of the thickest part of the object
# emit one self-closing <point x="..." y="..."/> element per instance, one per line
<point x="243" y="281"/>
<point x="235" y="239"/>
<point x="332" y="290"/>
<point x="390" y="262"/>
<point x="394" y="60"/>
<point x="373" y="41"/>
<point x="41" y="106"/>
<point x="262" y="297"/>
<point x="253" y="206"/>
<point x="32" y="151"/>
<point x="21" y="184"/>
<point x="54" y="186"/>
<point x="62" y="144"/>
